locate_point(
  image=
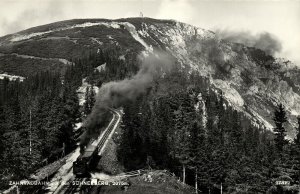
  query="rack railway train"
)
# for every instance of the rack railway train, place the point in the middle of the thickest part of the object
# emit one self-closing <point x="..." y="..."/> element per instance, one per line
<point x="88" y="160"/>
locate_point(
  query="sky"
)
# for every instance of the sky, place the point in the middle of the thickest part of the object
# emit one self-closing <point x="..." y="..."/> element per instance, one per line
<point x="281" y="18"/>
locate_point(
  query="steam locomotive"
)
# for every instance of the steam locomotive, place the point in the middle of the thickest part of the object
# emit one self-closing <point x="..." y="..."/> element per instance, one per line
<point x="86" y="162"/>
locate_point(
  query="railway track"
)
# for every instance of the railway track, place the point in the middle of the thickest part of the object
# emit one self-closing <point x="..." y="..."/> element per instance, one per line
<point x="108" y="131"/>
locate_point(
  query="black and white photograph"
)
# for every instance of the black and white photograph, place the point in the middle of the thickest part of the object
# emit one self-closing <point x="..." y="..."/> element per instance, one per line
<point x="150" y="96"/>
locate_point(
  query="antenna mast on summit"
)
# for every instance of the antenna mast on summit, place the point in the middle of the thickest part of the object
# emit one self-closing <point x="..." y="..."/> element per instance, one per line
<point x="142" y="16"/>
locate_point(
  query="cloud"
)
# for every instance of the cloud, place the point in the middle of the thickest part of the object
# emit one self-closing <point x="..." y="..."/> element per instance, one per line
<point x="181" y="10"/>
<point x="264" y="41"/>
<point x="32" y="14"/>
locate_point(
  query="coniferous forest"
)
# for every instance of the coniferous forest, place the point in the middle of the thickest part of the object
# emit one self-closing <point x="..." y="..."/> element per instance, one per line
<point x="205" y="142"/>
<point x="181" y="124"/>
<point x="37" y="117"/>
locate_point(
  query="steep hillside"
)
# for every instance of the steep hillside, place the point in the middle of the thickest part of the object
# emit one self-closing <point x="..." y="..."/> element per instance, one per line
<point x="251" y="81"/>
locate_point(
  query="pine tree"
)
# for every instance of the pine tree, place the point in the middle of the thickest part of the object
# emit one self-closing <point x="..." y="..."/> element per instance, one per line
<point x="87" y="109"/>
<point x="297" y="139"/>
<point x="180" y="142"/>
<point x="92" y="97"/>
<point x="188" y="129"/>
<point x="236" y="133"/>
<point x="279" y="130"/>
<point x="221" y="118"/>
<point x="197" y="155"/>
<point x="296" y="154"/>
<point x="2" y="141"/>
<point x="89" y="99"/>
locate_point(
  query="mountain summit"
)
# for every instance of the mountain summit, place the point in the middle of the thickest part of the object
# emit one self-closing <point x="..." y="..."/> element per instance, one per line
<point x="251" y="81"/>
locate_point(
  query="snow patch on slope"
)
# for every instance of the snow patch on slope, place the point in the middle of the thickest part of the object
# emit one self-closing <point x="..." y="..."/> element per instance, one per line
<point x="65" y="61"/>
<point x="122" y="57"/>
<point x="97" y="41"/>
<point x="17" y="38"/>
<point x="110" y="37"/>
<point x="11" y="77"/>
<point x="101" y="67"/>
<point x="81" y="91"/>
<point x="77" y="126"/>
<point x="200" y="107"/>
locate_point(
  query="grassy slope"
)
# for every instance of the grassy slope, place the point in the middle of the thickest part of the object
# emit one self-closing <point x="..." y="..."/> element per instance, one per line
<point x="68" y="44"/>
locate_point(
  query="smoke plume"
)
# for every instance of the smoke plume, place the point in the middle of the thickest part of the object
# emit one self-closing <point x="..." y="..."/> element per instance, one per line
<point x="116" y="93"/>
<point x="264" y="41"/>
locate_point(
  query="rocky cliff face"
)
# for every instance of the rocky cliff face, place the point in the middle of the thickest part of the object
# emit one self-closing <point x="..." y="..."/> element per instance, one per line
<point x="251" y="81"/>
